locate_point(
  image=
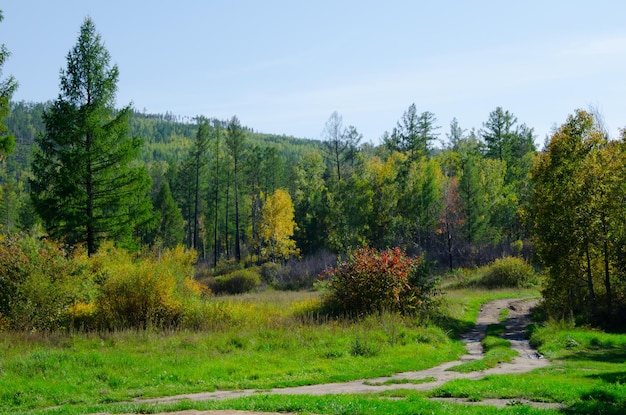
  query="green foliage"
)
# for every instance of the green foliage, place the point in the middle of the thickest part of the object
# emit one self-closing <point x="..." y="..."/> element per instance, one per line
<point x="373" y="281"/>
<point x="309" y="203"/>
<point x="14" y="269"/>
<point x="270" y="272"/>
<point x="39" y="281"/>
<point x="511" y="272"/>
<point x="45" y="287"/>
<point x="577" y="217"/>
<point x="362" y="346"/>
<point x="506" y="272"/>
<point x="236" y="282"/>
<point x="414" y="133"/>
<point x="85" y="185"/>
<point x="170" y="220"/>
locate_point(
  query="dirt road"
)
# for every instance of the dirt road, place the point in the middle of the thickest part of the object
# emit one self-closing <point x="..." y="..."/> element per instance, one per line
<point x="518" y="319"/>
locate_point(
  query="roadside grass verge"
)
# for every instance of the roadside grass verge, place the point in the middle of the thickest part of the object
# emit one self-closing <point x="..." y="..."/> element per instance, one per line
<point x="496" y="350"/>
<point x="587" y="373"/>
<point x="398" y="403"/>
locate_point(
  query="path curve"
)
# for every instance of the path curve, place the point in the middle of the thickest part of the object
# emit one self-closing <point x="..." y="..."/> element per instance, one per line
<point x="518" y="319"/>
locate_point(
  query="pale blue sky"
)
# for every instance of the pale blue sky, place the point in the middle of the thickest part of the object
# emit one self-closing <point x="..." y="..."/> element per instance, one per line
<point x="285" y="66"/>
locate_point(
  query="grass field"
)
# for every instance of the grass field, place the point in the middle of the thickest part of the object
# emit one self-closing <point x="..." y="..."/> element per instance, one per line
<point x="274" y="340"/>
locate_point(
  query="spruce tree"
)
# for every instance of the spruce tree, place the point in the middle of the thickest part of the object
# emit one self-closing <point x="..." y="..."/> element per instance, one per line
<point x="86" y="185"/>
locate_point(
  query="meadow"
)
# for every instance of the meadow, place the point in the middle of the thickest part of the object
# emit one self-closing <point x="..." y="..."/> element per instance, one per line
<point x="275" y="339"/>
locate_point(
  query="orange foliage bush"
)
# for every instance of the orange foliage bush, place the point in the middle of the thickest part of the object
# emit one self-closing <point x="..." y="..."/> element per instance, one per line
<point x="375" y="281"/>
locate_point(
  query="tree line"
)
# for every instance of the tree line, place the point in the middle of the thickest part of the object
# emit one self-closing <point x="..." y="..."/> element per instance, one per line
<point x="97" y="173"/>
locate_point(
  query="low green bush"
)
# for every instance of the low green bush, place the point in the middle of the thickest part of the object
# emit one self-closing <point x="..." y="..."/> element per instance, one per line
<point x="509" y="272"/>
<point x="270" y="273"/>
<point x="236" y="282"/>
<point x="39" y="281"/>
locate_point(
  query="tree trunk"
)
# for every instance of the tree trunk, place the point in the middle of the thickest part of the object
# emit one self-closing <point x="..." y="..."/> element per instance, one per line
<point x="592" y="294"/>
<point x="91" y="234"/>
<point x="607" y="270"/>
<point x="237" y="235"/>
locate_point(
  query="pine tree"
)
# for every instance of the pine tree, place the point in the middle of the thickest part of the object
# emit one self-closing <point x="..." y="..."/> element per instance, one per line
<point x="85" y="185"/>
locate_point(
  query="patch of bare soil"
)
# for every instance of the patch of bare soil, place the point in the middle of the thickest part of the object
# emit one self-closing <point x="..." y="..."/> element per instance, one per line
<point x="528" y="359"/>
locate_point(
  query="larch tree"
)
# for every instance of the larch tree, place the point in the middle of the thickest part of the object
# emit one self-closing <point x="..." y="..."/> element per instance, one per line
<point x="236" y="140"/>
<point x="86" y="185"/>
<point x="341" y="145"/>
<point x="198" y="156"/>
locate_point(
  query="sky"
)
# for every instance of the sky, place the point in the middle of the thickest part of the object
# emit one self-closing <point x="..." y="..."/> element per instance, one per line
<point x="283" y="67"/>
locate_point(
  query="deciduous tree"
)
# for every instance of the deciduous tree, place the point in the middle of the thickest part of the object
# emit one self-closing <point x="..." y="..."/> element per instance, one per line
<point x="576" y="212"/>
<point x="277" y="226"/>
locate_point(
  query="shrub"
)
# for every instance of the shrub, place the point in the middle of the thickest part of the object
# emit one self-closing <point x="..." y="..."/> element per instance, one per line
<point x="270" y="272"/>
<point x="14" y="269"/>
<point x="237" y="282"/>
<point x="39" y="280"/>
<point x="146" y="291"/>
<point x="509" y="272"/>
<point x="297" y="273"/>
<point x="375" y="281"/>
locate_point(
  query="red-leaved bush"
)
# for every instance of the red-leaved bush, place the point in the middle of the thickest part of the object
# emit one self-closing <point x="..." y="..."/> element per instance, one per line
<point x="373" y="281"/>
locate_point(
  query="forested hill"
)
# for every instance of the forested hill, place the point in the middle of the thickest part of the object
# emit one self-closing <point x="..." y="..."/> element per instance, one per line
<point x="211" y="180"/>
<point x="166" y="137"/>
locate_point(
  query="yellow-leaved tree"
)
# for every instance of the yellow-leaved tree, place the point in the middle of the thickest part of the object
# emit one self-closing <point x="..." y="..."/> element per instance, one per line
<point x="277" y="227"/>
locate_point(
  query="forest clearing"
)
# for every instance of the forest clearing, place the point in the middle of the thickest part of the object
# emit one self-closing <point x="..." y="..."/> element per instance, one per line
<point x="157" y="264"/>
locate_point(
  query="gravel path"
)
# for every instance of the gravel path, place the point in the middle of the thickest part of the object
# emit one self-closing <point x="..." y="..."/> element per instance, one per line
<point x="518" y="319"/>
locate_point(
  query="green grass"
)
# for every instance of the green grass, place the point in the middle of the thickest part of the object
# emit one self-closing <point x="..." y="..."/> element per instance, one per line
<point x="588" y="373"/>
<point x="398" y="402"/>
<point x="275" y="339"/>
<point x="401" y="382"/>
<point x="462" y="306"/>
<point x="504" y="315"/>
<point x="266" y="346"/>
<point x="496" y="350"/>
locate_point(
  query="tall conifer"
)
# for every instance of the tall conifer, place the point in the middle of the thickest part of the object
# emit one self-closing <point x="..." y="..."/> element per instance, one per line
<point x="85" y="184"/>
